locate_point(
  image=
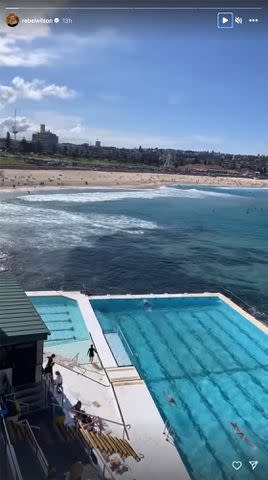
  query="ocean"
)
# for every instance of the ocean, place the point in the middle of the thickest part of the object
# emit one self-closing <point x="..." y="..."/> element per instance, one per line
<point x="166" y="239"/>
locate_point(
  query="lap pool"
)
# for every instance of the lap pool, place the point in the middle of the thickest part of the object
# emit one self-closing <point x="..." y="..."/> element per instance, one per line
<point x="214" y="362"/>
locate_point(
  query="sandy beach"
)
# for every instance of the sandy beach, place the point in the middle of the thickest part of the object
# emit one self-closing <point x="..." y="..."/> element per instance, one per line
<point x="15" y="178"/>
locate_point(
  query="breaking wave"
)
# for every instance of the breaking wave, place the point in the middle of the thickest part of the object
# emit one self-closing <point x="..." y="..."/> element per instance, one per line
<point x="115" y="195"/>
<point x="46" y="228"/>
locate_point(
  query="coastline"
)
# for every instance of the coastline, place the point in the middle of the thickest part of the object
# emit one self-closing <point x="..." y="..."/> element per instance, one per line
<point x="46" y="179"/>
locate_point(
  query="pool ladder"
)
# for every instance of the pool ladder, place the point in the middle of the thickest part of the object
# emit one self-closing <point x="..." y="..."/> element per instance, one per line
<point x="168" y="432"/>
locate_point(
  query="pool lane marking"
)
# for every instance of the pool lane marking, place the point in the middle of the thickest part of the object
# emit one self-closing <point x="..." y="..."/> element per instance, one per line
<point x="242" y="367"/>
<point x="223" y="393"/>
<point x="202" y="435"/>
<point x="243" y="331"/>
<point x="227" y="319"/>
<point x="195" y="425"/>
<point x="237" y="359"/>
<point x="235" y="446"/>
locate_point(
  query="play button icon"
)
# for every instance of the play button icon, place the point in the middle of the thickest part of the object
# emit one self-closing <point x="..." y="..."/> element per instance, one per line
<point x="225" y="20"/>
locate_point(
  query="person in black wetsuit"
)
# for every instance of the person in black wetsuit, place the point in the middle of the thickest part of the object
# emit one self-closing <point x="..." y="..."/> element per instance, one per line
<point x="49" y="366"/>
<point x="91" y="352"/>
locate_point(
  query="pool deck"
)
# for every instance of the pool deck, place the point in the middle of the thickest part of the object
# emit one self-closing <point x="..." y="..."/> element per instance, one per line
<point x="126" y="396"/>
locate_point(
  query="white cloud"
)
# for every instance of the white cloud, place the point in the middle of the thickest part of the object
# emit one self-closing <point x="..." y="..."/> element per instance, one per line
<point x="23" y="125"/>
<point x="17" y="49"/>
<point x="33" y="90"/>
<point x="17" y="45"/>
<point x="74" y="130"/>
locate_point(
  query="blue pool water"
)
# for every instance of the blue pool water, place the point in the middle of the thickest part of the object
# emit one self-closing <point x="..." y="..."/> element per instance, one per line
<point x="213" y="361"/>
<point x="117" y="347"/>
<point x="75" y="349"/>
<point x="63" y="318"/>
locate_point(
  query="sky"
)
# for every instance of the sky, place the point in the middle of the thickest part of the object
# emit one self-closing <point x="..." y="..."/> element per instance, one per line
<point x="166" y="80"/>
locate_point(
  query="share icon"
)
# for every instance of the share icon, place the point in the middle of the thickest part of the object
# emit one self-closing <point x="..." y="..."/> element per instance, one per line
<point x="253" y="464"/>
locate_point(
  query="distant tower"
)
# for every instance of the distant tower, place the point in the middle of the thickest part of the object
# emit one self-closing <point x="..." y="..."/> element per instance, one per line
<point x="42" y="128"/>
<point x="97" y="143"/>
<point x="14" y="127"/>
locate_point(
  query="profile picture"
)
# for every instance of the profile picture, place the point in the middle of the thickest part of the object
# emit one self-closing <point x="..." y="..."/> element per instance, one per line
<point x="12" y="20"/>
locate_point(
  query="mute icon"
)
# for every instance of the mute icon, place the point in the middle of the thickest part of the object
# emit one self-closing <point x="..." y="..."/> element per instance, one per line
<point x="239" y="20"/>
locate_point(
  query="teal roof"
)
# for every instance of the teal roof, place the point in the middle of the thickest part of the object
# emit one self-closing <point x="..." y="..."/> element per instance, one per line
<point x="18" y="318"/>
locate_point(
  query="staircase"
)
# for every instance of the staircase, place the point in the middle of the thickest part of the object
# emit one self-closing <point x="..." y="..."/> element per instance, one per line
<point x="60" y="454"/>
<point x="106" y="444"/>
<point x="29" y="466"/>
<point x="30" y="397"/>
<point x="27" y="450"/>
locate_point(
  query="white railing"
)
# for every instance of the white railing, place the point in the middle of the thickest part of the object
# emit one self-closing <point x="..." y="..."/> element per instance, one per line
<point x="10" y="454"/>
<point x="103" y="467"/>
<point x="246" y="306"/>
<point x="96" y="417"/>
<point x="83" y="371"/>
<point x="168" y="433"/>
<point x="103" y="463"/>
<point x="126" y="426"/>
<point x="38" y="452"/>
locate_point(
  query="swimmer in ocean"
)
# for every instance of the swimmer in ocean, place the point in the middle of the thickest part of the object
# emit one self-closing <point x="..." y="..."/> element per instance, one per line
<point x="146" y="304"/>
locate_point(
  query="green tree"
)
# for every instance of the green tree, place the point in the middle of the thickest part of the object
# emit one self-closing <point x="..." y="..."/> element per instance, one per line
<point x="24" y="145"/>
<point x="39" y="148"/>
<point x="8" y="141"/>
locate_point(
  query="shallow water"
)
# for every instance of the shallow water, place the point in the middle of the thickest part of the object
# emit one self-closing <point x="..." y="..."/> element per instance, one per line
<point x="167" y="239"/>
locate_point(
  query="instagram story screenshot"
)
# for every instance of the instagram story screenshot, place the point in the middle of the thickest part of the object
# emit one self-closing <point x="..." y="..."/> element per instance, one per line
<point x="133" y="240"/>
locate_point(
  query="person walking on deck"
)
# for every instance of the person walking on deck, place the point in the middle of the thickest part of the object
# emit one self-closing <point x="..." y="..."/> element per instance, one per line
<point x="91" y="351"/>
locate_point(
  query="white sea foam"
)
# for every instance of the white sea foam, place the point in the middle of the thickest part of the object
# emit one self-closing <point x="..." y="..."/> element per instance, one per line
<point x="52" y="228"/>
<point x="13" y="213"/>
<point x="115" y="195"/>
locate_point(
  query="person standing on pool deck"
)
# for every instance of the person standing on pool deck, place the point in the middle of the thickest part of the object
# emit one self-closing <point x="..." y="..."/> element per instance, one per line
<point x="49" y="366"/>
<point x="91" y="352"/>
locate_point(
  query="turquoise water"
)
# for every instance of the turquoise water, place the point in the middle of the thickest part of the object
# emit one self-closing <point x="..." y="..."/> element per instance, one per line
<point x="68" y="350"/>
<point x="167" y="239"/>
<point x="117" y="347"/>
<point x="63" y="318"/>
<point x="214" y="364"/>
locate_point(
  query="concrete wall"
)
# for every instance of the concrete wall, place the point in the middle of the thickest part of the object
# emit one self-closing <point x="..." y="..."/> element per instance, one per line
<point x="39" y="360"/>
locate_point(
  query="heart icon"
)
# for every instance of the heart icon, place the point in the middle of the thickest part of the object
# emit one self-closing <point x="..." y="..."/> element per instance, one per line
<point x="237" y="465"/>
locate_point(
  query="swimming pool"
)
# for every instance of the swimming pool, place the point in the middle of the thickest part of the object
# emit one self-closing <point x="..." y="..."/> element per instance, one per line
<point x="63" y="318"/>
<point x="213" y="361"/>
<point x="75" y="349"/>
